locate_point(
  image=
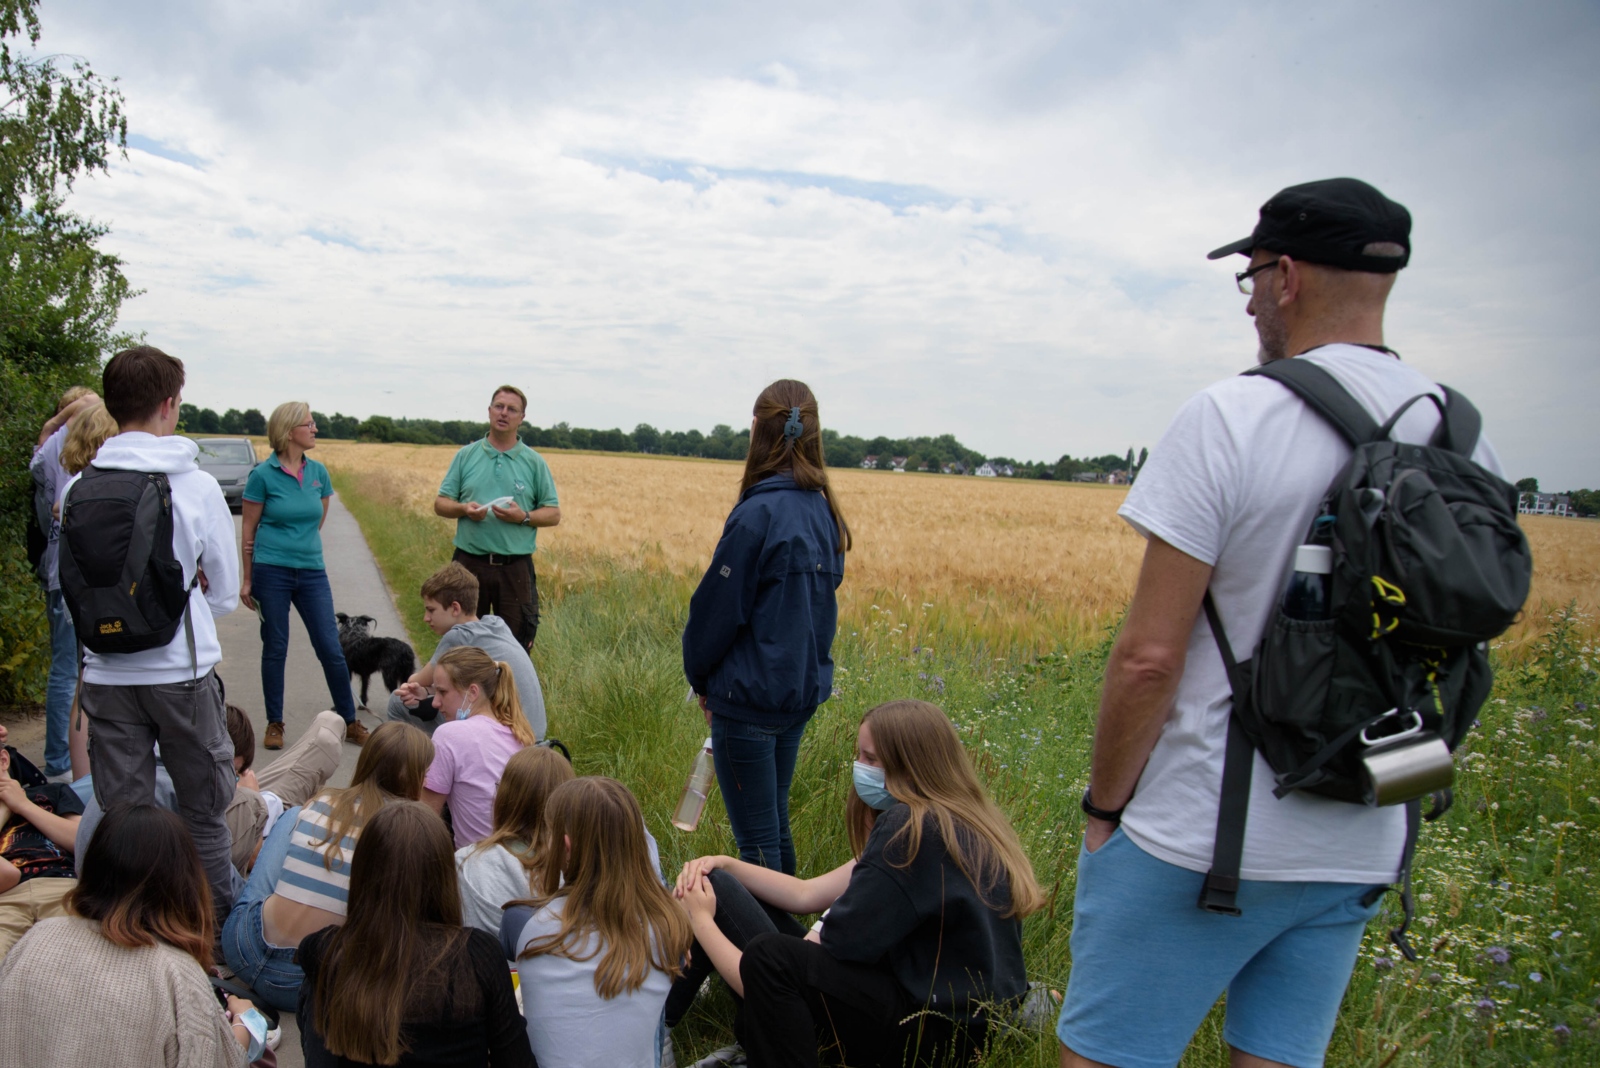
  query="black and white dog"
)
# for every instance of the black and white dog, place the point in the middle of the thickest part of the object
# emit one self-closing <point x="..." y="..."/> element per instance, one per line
<point x="365" y="654"/>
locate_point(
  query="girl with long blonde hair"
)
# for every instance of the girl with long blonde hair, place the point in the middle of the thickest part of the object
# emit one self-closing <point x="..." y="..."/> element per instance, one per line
<point x="472" y="749"/>
<point x="757" y="648"/>
<point x="301" y="879"/>
<point x="925" y="924"/>
<point x="500" y="868"/>
<point x="602" y="939"/>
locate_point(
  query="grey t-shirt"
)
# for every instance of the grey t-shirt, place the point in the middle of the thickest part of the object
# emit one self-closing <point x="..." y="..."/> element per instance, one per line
<point x="491" y="634"/>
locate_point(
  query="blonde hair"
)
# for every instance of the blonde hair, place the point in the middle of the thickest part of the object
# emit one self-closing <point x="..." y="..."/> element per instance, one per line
<point x="392" y="767"/>
<point x="532" y="774"/>
<point x="285" y="417"/>
<point x="609" y="888"/>
<point x="86" y="432"/>
<point x="925" y="767"/>
<point x="72" y="394"/>
<point x="468" y="665"/>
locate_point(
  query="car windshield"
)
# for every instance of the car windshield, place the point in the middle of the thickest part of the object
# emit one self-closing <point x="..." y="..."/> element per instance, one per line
<point x="227" y="452"/>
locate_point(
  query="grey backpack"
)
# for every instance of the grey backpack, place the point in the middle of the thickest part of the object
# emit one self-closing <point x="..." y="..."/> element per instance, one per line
<point x="1429" y="564"/>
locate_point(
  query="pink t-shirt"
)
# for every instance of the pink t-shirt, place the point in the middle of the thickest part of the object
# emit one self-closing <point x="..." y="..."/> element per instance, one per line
<point x="469" y="757"/>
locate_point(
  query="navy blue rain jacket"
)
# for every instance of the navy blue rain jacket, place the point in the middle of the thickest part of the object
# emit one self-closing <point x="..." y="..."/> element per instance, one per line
<point x="759" y="641"/>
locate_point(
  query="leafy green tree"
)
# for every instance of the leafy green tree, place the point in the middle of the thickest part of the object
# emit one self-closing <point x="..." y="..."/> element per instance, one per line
<point x="646" y="438"/>
<point x="254" y="421"/>
<point x="1527" y="485"/>
<point x="59" y="293"/>
<point x="233" y="421"/>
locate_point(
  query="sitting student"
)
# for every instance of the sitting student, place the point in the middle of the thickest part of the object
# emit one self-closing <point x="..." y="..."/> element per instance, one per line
<point x="400" y="982"/>
<point x="38" y="829"/>
<point x="598" y="947"/>
<point x="301" y="879"/>
<point x="122" y="978"/>
<point x="929" y="915"/>
<point x="258" y="800"/>
<point x="449" y="601"/>
<point x="472" y="749"/>
<point x="500" y="868"/>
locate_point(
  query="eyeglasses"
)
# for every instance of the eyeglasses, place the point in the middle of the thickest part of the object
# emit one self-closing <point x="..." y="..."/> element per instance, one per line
<point x="1247" y="280"/>
<point x="309" y="424"/>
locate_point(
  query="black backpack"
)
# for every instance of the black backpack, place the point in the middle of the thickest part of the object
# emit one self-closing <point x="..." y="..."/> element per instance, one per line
<point x="119" y="578"/>
<point x="1429" y="564"/>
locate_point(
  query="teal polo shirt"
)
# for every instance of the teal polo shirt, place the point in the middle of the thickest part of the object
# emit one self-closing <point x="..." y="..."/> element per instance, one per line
<point x="291" y="512"/>
<point x="481" y="473"/>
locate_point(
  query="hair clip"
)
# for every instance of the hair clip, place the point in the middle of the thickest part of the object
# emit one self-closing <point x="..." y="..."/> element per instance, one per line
<point x="794" y="427"/>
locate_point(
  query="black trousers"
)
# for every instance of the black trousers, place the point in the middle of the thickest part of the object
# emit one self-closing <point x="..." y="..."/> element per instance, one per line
<point x="508" y="589"/>
<point x="742" y="918"/>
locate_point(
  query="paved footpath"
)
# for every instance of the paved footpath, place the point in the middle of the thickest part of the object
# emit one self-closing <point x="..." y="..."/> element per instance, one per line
<point x="358" y="589"/>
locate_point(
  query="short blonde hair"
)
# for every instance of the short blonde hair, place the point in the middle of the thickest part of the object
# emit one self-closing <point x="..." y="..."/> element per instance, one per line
<point x="73" y="394"/>
<point x="285" y="417"/>
<point x="86" y="432"/>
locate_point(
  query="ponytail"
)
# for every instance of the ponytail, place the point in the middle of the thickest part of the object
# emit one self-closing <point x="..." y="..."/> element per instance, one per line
<point x="507" y="708"/>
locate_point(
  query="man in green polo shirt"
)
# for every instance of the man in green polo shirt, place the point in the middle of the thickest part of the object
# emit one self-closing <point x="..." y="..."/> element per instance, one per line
<point x="500" y="492"/>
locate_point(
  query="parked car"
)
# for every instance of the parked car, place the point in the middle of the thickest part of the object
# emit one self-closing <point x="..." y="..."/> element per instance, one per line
<point x="229" y="461"/>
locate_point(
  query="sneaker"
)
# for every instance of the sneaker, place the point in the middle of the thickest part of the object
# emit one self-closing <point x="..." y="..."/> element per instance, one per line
<point x="274" y="1038"/>
<point x="355" y="732"/>
<point x="61" y="778"/>
<point x="726" y="1057"/>
<point x="274" y="738"/>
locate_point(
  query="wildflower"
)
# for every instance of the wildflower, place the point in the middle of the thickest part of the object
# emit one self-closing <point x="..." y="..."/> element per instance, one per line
<point x="1498" y="954"/>
<point x="1485" y="1007"/>
<point x="1562" y="1033"/>
<point x="1434" y="977"/>
<point x="1535" y="977"/>
<point x="1383" y="964"/>
<point x="1555" y="934"/>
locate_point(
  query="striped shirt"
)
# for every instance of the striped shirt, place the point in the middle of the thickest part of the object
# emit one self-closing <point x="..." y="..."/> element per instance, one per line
<point x="305" y="877"/>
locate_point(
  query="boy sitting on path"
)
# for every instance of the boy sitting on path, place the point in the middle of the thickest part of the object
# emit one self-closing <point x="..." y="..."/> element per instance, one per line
<point x="449" y="605"/>
<point x="37" y="827"/>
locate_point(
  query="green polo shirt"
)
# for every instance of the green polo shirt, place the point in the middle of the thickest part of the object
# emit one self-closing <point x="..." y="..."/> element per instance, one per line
<point x="481" y="473"/>
<point x="291" y="512"/>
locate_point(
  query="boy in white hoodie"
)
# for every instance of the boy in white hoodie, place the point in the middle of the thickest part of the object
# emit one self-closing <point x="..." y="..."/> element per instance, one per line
<point x="135" y="700"/>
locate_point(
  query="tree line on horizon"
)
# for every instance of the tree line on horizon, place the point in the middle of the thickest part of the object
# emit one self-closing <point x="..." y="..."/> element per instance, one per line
<point x="933" y="454"/>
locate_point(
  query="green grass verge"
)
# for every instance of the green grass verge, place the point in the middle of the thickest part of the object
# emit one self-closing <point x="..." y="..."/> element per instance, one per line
<point x="1506" y="883"/>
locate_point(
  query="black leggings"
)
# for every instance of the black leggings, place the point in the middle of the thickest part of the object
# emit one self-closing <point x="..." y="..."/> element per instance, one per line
<point x="740" y="916"/>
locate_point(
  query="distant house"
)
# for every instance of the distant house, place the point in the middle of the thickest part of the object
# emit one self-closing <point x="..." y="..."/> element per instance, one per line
<point x="1006" y="471"/>
<point x="1088" y="476"/>
<point x="956" y="468"/>
<point x="923" y="466"/>
<point x="985" y="470"/>
<point x="898" y="462"/>
<point x="1119" y="477"/>
<point x="870" y="463"/>
<point x="1544" y="504"/>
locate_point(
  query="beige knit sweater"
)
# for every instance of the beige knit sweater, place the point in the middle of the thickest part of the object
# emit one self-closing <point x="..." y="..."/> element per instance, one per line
<point x="70" y="997"/>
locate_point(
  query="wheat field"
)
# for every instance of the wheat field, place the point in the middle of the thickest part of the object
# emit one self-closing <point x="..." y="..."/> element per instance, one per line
<point x="1025" y="565"/>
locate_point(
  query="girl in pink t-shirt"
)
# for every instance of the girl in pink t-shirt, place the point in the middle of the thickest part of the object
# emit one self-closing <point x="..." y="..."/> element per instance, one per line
<point x="470" y="753"/>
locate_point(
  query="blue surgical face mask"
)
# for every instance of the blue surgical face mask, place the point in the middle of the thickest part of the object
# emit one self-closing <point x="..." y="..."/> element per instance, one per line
<point x="463" y="712"/>
<point x="870" y="786"/>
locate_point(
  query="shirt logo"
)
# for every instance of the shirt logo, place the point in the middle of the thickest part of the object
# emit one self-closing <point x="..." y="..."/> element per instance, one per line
<point x="520" y="486"/>
<point x="726" y="571"/>
<point x="316" y="483"/>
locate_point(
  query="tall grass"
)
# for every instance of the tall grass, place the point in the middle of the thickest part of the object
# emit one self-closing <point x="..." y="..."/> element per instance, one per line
<point x="1506" y="882"/>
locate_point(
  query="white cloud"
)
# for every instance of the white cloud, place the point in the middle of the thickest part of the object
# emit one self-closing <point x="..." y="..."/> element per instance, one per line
<point x="988" y="220"/>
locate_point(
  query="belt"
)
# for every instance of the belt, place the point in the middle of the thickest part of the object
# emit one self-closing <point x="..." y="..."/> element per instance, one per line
<point x="496" y="559"/>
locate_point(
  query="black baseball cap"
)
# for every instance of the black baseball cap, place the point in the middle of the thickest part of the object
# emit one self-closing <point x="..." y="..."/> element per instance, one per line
<point x="1334" y="222"/>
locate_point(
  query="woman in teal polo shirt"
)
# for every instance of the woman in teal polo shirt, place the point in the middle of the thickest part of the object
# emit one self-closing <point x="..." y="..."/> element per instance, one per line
<point x="285" y="502"/>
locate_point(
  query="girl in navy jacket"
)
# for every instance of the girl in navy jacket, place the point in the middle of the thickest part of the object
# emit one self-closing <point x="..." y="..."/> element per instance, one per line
<point x="758" y="646"/>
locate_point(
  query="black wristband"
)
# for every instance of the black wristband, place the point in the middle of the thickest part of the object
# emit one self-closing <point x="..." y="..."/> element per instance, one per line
<point x="1100" y="813"/>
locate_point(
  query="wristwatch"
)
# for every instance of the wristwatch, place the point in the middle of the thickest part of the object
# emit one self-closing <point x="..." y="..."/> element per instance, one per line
<point x="1100" y="813"/>
<point x="527" y="519"/>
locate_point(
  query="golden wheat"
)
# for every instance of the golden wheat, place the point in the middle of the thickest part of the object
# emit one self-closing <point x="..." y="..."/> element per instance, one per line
<point x="1025" y="564"/>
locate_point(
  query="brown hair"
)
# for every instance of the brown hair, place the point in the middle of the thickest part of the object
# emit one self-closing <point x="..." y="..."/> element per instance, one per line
<point x="86" y="432"/>
<point x="141" y="878"/>
<point x="452" y="584"/>
<point x="281" y="423"/>
<point x="243" y="736"/>
<point x="532" y="774"/>
<point x="392" y="766"/>
<point x="402" y="923"/>
<point x="925" y="767"/>
<point x="137" y="380"/>
<point x="609" y="889"/>
<point x="772" y="452"/>
<point x="523" y="397"/>
<point x="468" y="665"/>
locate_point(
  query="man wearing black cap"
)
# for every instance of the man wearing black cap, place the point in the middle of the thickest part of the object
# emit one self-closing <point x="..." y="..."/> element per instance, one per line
<point x="1223" y="501"/>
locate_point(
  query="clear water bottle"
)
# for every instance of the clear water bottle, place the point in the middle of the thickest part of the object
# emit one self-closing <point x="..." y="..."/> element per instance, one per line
<point x="1308" y="595"/>
<point x="686" y="817"/>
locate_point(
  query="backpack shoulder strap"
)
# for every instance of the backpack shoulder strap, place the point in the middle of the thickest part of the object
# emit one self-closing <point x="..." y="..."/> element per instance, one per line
<point x="1324" y="395"/>
<point x="1459" y="429"/>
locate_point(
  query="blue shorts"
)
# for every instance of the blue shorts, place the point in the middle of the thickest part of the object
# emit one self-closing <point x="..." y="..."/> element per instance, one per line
<point x="1148" y="964"/>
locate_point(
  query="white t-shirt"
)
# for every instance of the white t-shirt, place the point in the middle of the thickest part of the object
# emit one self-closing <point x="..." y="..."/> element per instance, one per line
<point x="489" y="878"/>
<point x="569" y="1024"/>
<point x="1235" y="482"/>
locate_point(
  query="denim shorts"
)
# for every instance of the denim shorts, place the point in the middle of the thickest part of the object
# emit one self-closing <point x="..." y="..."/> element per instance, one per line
<point x="1148" y="964"/>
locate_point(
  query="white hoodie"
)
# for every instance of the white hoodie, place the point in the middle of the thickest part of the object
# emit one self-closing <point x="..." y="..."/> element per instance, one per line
<point x="202" y="531"/>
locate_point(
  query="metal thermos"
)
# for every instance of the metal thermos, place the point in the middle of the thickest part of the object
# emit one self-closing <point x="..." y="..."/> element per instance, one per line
<point x="1406" y="769"/>
<point x="686" y="817"/>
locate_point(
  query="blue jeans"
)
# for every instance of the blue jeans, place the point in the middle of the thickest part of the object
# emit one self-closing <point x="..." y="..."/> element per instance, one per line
<point x="275" y="588"/>
<point x="1140" y="942"/>
<point x="755" y="765"/>
<point x="63" y="683"/>
<point x="267" y="969"/>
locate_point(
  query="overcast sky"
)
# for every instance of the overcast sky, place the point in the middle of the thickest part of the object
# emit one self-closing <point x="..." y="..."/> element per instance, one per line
<point x="988" y="219"/>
